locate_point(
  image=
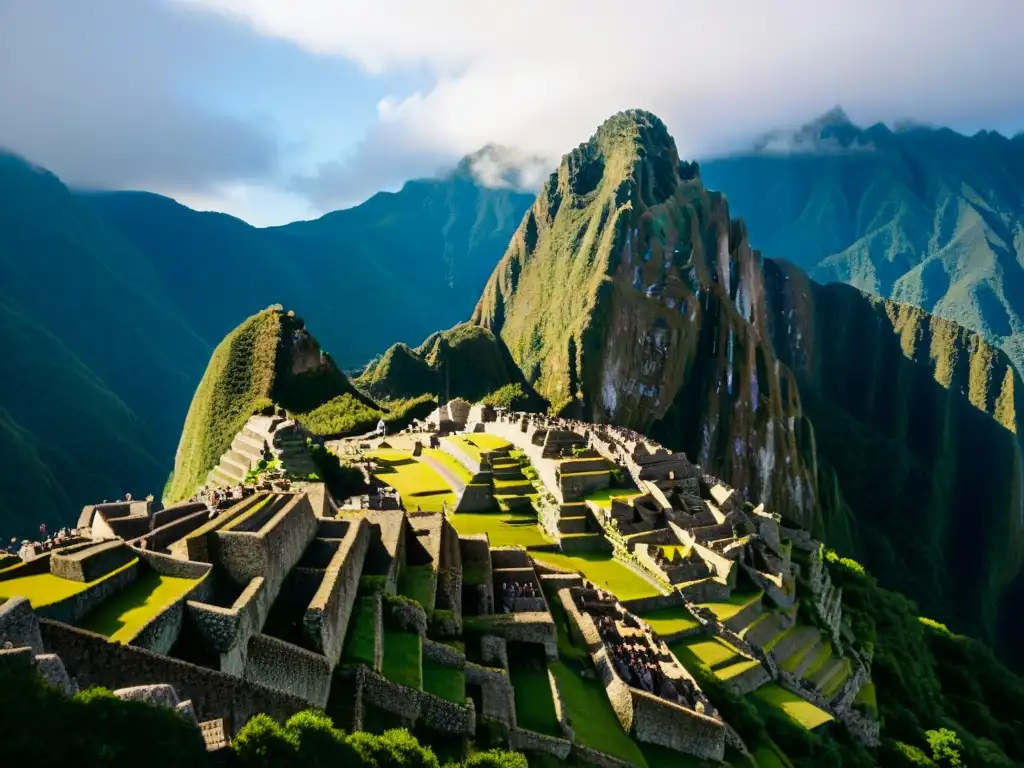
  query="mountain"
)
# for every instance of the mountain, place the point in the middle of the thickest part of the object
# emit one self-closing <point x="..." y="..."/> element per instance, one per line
<point x="398" y="266"/>
<point x="110" y="304"/>
<point x="629" y="295"/>
<point x="268" y="360"/>
<point x="466" y="361"/>
<point x="95" y="355"/>
<point x="921" y="215"/>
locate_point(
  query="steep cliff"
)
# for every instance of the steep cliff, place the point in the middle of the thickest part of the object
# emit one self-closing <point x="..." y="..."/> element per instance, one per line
<point x="270" y="359"/>
<point x="629" y="295"/>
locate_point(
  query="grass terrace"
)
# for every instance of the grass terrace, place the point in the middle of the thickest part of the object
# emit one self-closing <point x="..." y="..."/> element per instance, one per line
<point x="777" y="701"/>
<point x="475" y="445"/>
<point x="712" y="652"/>
<point x="450" y="463"/>
<point x="736" y="603"/>
<point x="867" y="698"/>
<point x="403" y="658"/>
<point x="505" y="529"/>
<point x="602" y="570"/>
<point x="603" y="498"/>
<point x="419" y="583"/>
<point x="417" y="482"/>
<point x="44" y="589"/>
<point x="444" y="682"/>
<point x="123" y="615"/>
<point x="359" y="641"/>
<point x="669" y="621"/>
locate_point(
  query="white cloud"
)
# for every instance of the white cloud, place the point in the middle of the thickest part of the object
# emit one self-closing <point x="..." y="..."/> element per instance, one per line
<point x="542" y="74"/>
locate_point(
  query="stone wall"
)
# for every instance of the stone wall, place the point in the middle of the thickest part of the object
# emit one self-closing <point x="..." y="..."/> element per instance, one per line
<point x="71" y="609"/>
<point x="19" y="625"/>
<point x="452" y="448"/>
<point x="91" y="563"/>
<point x="521" y="740"/>
<point x="270" y="552"/>
<point x="449" y="574"/>
<point x="228" y="629"/>
<point x="442" y="654"/>
<point x="93" y="660"/>
<point x="161" y="632"/>
<point x="162" y="538"/>
<point x="576" y="487"/>
<point x="476" y="559"/>
<point x="494" y="651"/>
<point x="497" y="694"/>
<point x="536" y="628"/>
<point x="475" y="497"/>
<point x="326" y="618"/>
<point x="411" y="705"/>
<point x="288" y="668"/>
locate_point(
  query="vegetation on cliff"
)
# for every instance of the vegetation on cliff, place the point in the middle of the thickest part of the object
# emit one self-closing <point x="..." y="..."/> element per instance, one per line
<point x="466" y="361"/>
<point x="925" y="216"/>
<point x="268" y="360"/>
<point x="629" y="295"/>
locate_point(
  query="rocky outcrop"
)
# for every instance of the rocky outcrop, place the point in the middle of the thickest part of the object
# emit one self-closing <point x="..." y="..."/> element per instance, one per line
<point x="628" y="295"/>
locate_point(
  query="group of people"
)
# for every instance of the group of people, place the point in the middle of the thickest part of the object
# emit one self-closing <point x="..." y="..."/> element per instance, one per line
<point x="26" y="548"/>
<point x="513" y="590"/>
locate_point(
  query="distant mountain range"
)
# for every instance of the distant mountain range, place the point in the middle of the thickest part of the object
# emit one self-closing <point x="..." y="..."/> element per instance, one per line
<point x="925" y="216"/>
<point x="110" y="304"/>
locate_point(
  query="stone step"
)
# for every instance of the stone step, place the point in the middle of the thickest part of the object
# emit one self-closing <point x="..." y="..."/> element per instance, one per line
<point x="799" y="666"/>
<point x="824" y="676"/>
<point x="793" y="642"/>
<point x="572" y="525"/>
<point x="247" y="446"/>
<point x="765" y="629"/>
<point x="742" y="619"/>
<point x="218" y="477"/>
<point x="255" y="435"/>
<point x="515" y="488"/>
<point x="233" y="466"/>
<point x="241" y="459"/>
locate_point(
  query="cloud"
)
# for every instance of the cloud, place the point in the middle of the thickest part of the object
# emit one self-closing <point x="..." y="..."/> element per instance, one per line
<point x="542" y="75"/>
<point x="95" y="91"/>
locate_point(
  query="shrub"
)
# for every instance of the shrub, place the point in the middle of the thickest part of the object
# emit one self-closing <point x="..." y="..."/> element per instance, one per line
<point x="371" y="585"/>
<point x="396" y="748"/>
<point x="496" y="758"/>
<point x="263" y="743"/>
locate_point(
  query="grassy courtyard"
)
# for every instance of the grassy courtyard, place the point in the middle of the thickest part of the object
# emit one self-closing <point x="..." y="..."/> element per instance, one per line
<point x="603" y="498"/>
<point x="417" y="482"/>
<point x="46" y="589"/>
<point x="478" y="443"/>
<point x="777" y="700"/>
<point x="402" y="658"/>
<point x="736" y="603"/>
<point x="122" y="615"/>
<point x="444" y="682"/>
<point x="449" y="462"/>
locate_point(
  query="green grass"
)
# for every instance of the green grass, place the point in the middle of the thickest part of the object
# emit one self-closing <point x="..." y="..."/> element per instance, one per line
<point x="478" y="443"/>
<point x="402" y="658"/>
<point x="122" y="615"/>
<point x="591" y="716"/>
<point x="785" y="704"/>
<point x="736" y="603"/>
<point x="419" y="583"/>
<point x="509" y="482"/>
<point x="361" y="636"/>
<point x="867" y="696"/>
<point x="821" y="657"/>
<point x="417" y="482"/>
<point x="535" y="707"/>
<point x="504" y="528"/>
<point x="46" y="589"/>
<point x="605" y="572"/>
<point x="668" y="621"/>
<point x="445" y="682"/>
<point x="768" y="754"/>
<point x="603" y="498"/>
<point x="712" y="652"/>
<point x="733" y="670"/>
<point x="450" y="463"/>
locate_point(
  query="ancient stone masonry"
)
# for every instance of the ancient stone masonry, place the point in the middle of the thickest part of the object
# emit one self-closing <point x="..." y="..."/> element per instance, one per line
<point x="828" y="598"/>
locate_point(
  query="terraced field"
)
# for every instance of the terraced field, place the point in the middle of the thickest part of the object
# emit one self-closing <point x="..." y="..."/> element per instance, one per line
<point x="122" y="615"/>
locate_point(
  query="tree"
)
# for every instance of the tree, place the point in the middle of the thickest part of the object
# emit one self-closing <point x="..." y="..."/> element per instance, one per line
<point x="946" y="747"/>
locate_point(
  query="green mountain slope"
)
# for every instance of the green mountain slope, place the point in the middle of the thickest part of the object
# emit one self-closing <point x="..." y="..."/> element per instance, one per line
<point x="466" y="361"/>
<point x="397" y="267"/>
<point x="629" y="295"/>
<point x="924" y="216"/>
<point x="90" y="344"/>
<point x="270" y="359"/>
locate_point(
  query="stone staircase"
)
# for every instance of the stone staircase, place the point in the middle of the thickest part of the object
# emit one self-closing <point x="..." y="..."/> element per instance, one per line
<point x="270" y="437"/>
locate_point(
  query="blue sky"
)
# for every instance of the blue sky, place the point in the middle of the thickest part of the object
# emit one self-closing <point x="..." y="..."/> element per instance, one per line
<point x="274" y="110"/>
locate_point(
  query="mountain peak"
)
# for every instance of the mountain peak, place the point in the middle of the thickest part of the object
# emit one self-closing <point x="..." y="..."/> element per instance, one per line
<point x="830" y="132"/>
<point x="502" y="167"/>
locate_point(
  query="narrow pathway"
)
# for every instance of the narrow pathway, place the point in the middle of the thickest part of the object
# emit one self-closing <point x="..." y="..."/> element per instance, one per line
<point x="449" y="477"/>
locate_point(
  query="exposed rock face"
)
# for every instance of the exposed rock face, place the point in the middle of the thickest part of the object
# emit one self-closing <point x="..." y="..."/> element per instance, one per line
<point x="628" y="295"/>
